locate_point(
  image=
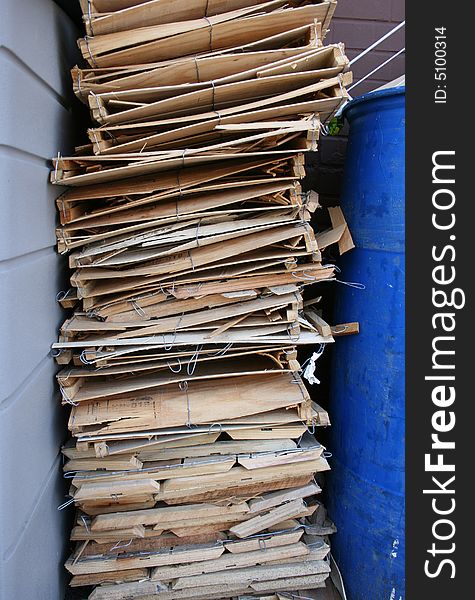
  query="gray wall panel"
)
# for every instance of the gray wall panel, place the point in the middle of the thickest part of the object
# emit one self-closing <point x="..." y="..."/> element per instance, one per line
<point x="25" y="194"/>
<point x="32" y="120"/>
<point x="29" y="314"/>
<point x="31" y="570"/>
<point x="37" y="45"/>
<point x="31" y="424"/>
<point x="37" y="32"/>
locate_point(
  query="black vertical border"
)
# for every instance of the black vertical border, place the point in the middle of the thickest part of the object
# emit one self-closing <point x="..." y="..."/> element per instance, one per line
<point x="434" y="127"/>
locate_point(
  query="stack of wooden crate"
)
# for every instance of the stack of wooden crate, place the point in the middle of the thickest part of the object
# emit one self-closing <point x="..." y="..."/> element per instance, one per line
<point x="191" y="464"/>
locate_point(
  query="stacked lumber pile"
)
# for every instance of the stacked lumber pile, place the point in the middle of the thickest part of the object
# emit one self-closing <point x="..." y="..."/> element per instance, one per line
<point x="191" y="464"/>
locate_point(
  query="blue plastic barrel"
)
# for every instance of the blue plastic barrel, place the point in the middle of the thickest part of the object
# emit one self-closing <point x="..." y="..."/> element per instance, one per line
<point x="366" y="486"/>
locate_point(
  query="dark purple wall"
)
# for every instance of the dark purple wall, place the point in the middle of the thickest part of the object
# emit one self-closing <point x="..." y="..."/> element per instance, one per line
<point x="360" y="23"/>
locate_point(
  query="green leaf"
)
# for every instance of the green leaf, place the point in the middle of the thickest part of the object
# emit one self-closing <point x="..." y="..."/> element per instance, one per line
<point x="335" y="125"/>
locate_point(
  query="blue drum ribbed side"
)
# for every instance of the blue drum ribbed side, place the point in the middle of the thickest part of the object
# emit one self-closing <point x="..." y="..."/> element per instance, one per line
<point x="366" y="485"/>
